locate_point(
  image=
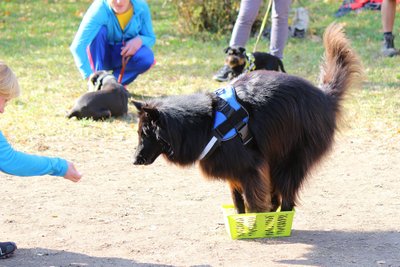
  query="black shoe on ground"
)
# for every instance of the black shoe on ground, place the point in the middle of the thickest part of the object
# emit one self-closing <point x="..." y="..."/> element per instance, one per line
<point x="7" y="249"/>
<point x="388" y="49"/>
<point x="223" y="74"/>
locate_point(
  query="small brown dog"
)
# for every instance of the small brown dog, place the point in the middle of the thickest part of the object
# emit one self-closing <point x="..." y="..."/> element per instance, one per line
<point x="240" y="61"/>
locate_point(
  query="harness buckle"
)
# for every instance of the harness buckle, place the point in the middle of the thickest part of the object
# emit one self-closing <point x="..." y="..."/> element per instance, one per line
<point x="243" y="131"/>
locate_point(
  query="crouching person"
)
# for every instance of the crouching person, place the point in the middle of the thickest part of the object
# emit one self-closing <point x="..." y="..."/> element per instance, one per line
<point x="111" y="32"/>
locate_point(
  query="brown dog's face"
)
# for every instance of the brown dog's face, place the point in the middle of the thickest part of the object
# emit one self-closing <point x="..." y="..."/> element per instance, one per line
<point x="150" y="144"/>
<point x="235" y="56"/>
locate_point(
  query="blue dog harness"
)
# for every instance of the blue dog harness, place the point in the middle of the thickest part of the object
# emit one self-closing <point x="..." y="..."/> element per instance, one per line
<point x="231" y="119"/>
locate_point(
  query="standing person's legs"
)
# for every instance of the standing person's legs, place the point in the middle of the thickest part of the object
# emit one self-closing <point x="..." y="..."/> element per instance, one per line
<point x="388" y="13"/>
<point x="247" y="15"/>
<point x="279" y="27"/>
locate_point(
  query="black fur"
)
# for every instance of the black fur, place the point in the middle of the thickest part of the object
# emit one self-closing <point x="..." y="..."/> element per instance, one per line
<point x="292" y="121"/>
<point x="110" y="99"/>
<point x="237" y="60"/>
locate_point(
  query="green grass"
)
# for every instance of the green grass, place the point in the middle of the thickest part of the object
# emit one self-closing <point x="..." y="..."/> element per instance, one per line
<point x="35" y="37"/>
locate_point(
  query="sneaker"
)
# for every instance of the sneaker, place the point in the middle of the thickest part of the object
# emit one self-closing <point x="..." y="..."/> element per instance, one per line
<point x="7" y="249"/>
<point x="388" y="49"/>
<point x="223" y="74"/>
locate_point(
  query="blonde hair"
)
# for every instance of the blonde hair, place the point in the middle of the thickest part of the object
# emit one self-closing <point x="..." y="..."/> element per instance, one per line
<point x="9" y="87"/>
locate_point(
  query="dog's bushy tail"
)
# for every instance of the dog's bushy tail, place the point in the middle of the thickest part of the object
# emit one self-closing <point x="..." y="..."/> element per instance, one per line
<point x="342" y="68"/>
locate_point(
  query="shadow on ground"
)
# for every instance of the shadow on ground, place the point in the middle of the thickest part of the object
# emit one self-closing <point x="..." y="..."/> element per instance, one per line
<point x="340" y="248"/>
<point x="47" y="257"/>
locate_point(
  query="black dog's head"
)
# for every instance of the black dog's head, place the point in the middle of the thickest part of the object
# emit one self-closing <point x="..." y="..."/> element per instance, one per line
<point x="98" y="79"/>
<point x="235" y="56"/>
<point x="152" y="138"/>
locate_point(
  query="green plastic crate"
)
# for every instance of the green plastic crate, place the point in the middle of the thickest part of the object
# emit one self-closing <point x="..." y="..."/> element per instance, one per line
<point x="257" y="225"/>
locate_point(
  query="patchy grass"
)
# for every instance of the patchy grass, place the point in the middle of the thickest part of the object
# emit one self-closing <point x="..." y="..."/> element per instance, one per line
<point x="35" y="36"/>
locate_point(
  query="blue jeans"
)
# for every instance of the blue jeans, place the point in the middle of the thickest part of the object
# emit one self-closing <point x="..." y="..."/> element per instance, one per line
<point x="105" y="56"/>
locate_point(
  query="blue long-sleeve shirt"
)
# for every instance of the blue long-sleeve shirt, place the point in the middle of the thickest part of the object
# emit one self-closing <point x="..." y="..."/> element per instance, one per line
<point x="23" y="164"/>
<point x="101" y="14"/>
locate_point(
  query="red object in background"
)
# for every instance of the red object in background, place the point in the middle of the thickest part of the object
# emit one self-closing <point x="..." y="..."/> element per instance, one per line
<point x="351" y="5"/>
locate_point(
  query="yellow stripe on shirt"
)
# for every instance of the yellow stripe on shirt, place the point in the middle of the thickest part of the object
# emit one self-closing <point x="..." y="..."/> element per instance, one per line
<point x="124" y="18"/>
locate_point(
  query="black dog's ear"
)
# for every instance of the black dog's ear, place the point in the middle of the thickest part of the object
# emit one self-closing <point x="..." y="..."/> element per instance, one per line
<point x="152" y="112"/>
<point x="93" y="77"/>
<point x="139" y="105"/>
<point x="242" y="50"/>
<point x="227" y="49"/>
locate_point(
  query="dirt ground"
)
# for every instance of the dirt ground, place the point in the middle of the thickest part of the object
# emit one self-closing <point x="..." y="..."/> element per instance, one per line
<point x="161" y="215"/>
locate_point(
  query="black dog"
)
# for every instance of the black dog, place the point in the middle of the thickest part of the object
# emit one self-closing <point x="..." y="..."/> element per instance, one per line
<point x="110" y="98"/>
<point x="240" y="61"/>
<point x="292" y="123"/>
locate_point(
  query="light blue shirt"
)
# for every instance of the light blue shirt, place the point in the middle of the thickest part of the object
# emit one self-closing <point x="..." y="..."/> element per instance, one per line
<point x="22" y="164"/>
<point x="101" y="14"/>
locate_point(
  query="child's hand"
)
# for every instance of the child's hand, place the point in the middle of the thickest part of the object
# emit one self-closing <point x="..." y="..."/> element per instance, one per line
<point x="72" y="174"/>
<point x="131" y="47"/>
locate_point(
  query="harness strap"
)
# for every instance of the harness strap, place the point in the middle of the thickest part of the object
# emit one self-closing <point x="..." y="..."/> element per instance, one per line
<point x="210" y="147"/>
<point x="225" y="108"/>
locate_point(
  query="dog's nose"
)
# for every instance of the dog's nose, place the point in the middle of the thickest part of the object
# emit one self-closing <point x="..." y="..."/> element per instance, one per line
<point x="139" y="161"/>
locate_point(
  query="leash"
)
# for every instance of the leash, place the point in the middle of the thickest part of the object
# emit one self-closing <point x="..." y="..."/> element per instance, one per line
<point x="250" y="63"/>
<point x="124" y="62"/>
<point x="264" y="22"/>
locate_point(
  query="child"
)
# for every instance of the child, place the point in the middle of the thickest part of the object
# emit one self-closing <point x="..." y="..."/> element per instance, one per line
<point x="110" y="31"/>
<point x="21" y="164"/>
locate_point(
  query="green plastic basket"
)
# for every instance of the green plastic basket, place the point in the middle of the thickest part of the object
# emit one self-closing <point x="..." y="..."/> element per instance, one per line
<point x="257" y="225"/>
